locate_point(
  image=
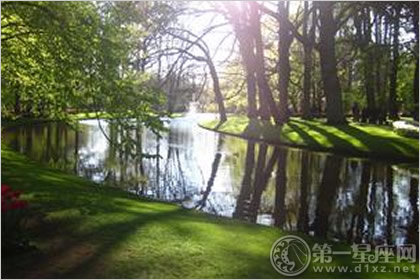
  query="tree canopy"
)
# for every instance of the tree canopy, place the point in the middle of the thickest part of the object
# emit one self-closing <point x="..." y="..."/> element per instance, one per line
<point x="311" y="59"/>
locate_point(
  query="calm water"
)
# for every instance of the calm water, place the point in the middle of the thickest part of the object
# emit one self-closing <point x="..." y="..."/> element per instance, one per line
<point x="340" y="198"/>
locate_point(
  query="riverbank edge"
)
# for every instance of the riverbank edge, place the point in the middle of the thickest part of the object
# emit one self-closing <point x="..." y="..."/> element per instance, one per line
<point x="53" y="183"/>
<point x="356" y="153"/>
<point x="74" y="118"/>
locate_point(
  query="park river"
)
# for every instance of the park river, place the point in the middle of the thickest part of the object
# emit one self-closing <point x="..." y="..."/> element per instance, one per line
<point x="326" y="195"/>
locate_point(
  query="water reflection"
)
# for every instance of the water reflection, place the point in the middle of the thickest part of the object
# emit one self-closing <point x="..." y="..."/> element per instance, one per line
<point x="324" y="195"/>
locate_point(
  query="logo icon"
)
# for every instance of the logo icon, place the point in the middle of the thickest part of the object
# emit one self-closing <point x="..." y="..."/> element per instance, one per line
<point x="290" y="255"/>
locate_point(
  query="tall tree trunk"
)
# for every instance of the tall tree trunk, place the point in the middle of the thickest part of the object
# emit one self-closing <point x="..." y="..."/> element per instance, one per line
<point x="266" y="96"/>
<point x="378" y="56"/>
<point x="335" y="114"/>
<point x="307" y="74"/>
<point x="368" y="62"/>
<point x="283" y="71"/>
<point x="251" y="88"/>
<point x="393" y="110"/>
<point x="246" y="47"/>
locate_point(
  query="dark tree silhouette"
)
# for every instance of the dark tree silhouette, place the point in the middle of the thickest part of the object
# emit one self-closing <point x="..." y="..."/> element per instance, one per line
<point x="332" y="89"/>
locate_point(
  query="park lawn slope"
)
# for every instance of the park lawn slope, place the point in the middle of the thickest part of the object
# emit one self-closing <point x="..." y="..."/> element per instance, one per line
<point x="83" y="230"/>
<point x="363" y="140"/>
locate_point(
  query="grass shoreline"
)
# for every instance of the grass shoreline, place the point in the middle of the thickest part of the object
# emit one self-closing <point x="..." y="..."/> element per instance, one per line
<point x="87" y="231"/>
<point x="358" y="140"/>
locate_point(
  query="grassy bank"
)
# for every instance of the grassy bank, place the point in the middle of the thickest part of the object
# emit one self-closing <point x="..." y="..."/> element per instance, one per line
<point x="363" y="140"/>
<point x="82" y="230"/>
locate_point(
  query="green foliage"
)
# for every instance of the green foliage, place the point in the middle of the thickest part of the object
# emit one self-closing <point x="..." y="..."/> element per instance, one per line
<point x="47" y="51"/>
<point x="63" y="56"/>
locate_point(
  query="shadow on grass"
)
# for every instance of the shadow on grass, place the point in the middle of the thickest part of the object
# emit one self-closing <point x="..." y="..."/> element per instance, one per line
<point x="376" y="145"/>
<point x="389" y="143"/>
<point x="305" y="136"/>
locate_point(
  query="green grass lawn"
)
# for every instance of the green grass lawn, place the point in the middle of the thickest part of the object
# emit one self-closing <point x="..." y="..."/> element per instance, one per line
<point x="83" y="230"/>
<point x="364" y="140"/>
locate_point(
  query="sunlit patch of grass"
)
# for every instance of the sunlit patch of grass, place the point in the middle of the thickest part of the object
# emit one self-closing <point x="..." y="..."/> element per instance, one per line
<point x="366" y="140"/>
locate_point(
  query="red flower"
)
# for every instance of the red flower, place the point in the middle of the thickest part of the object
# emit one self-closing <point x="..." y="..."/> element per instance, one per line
<point x="10" y="199"/>
<point x="5" y="189"/>
<point x="18" y="204"/>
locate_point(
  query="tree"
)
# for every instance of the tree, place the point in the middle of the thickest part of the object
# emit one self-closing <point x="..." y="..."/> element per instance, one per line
<point x="332" y="89"/>
<point x="362" y="22"/>
<point x="307" y="52"/>
<point x="241" y="26"/>
<point x="266" y="96"/>
<point x="393" y="109"/>
<point x="284" y="42"/>
<point x="248" y="31"/>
